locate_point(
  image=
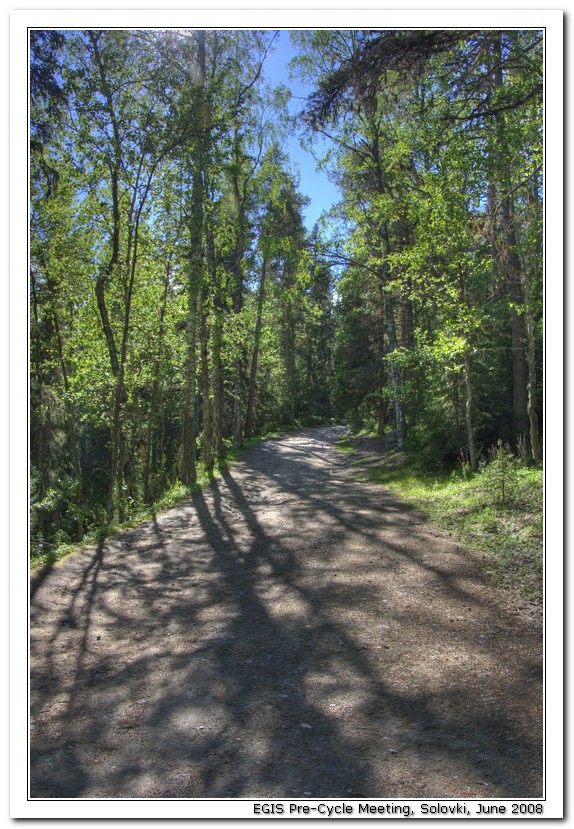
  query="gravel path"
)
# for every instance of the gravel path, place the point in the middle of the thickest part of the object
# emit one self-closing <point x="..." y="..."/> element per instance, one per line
<point x="288" y="632"/>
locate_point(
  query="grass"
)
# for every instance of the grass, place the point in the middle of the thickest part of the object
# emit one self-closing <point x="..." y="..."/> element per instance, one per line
<point x="344" y="445"/>
<point x="497" y="512"/>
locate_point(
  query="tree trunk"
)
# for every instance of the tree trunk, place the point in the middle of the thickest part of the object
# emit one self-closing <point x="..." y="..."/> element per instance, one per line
<point x="469" y="411"/>
<point x="71" y="423"/>
<point x="379" y="326"/>
<point x="518" y="326"/>
<point x="207" y="435"/>
<point x="381" y="422"/>
<point x="395" y="372"/>
<point x="396" y="380"/>
<point x="238" y="255"/>
<point x="254" y="360"/>
<point x="504" y="250"/>
<point x="289" y="357"/>
<point x="189" y="470"/>
<point x="117" y="454"/>
<point x="237" y="367"/>
<point x="237" y="404"/>
<point x="531" y="352"/>
<point x="217" y="390"/>
<point x="148" y="495"/>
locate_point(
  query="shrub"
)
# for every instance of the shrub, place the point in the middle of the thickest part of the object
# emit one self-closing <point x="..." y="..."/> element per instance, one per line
<point x="500" y="474"/>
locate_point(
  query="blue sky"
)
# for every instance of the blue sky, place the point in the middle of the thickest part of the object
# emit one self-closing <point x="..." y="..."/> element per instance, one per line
<point x="314" y="184"/>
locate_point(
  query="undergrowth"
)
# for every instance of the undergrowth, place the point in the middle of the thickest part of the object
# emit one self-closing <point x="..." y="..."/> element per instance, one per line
<point x="47" y="554"/>
<point x="498" y="511"/>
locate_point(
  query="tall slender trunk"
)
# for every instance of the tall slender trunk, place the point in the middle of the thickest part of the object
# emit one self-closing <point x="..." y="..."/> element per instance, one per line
<point x="237" y="403"/>
<point x="206" y="435"/>
<point x="237" y="308"/>
<point x="289" y="359"/>
<point x="395" y="372"/>
<point x="217" y="388"/>
<point x="189" y="470"/>
<point x="505" y="251"/>
<point x="379" y="325"/>
<point x="381" y="403"/>
<point x="535" y="447"/>
<point x="469" y="411"/>
<point x="518" y="324"/>
<point x="120" y="443"/>
<point x="189" y="460"/>
<point x="255" y="358"/>
<point x="396" y="380"/>
<point x="103" y="278"/>
<point x="148" y="495"/>
<point x="71" y="423"/>
<point x="100" y="286"/>
<point x="195" y="279"/>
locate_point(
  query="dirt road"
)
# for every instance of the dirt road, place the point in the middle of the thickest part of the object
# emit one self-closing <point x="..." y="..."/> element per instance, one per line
<point x="288" y="632"/>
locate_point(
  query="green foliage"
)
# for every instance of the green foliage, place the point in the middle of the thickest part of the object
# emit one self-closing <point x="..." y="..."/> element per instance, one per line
<point x="159" y="195"/>
<point x="433" y="442"/>
<point x="500" y="474"/>
<point x="424" y="194"/>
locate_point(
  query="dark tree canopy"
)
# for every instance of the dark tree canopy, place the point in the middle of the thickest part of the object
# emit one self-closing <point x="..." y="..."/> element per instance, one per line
<point x="358" y="79"/>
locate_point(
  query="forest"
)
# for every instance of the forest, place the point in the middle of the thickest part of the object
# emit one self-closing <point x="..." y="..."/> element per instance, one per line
<point x="180" y="306"/>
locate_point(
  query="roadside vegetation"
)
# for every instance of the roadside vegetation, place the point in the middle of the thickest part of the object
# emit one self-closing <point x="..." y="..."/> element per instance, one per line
<point x="180" y="303"/>
<point x="497" y="511"/>
<point x="47" y="554"/>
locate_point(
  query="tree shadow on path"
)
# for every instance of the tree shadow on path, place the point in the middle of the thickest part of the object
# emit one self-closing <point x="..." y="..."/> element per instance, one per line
<point x="237" y="648"/>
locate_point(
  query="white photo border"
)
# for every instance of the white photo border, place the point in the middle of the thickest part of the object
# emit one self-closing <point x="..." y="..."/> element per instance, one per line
<point x="376" y="18"/>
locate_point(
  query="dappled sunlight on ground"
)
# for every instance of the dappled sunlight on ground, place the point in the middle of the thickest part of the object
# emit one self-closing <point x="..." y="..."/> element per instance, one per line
<point x="286" y="632"/>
